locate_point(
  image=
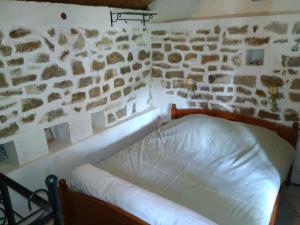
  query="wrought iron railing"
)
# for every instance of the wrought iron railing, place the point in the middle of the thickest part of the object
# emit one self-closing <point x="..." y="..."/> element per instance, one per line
<point x="47" y="210"/>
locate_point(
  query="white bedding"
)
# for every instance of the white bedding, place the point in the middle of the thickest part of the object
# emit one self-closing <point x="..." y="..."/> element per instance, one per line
<point x="146" y="205"/>
<point x="228" y="172"/>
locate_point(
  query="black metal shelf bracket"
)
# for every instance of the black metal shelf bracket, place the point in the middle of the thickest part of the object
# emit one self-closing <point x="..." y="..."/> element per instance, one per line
<point x="143" y="17"/>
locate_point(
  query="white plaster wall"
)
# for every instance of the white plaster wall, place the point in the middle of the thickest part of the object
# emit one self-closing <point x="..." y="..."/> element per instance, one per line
<point x="86" y="146"/>
<point x="172" y="10"/>
<point x="39" y="17"/>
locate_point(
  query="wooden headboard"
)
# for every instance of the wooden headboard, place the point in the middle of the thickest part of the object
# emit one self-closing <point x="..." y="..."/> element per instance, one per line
<point x="288" y="133"/>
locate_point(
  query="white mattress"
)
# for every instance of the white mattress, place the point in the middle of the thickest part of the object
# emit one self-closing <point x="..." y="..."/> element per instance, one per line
<point x="228" y="172"/>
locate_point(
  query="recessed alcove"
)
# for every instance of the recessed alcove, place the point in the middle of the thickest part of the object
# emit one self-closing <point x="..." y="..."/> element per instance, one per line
<point x="11" y="161"/>
<point x="255" y="57"/>
<point x="58" y="137"/>
<point x="98" y="121"/>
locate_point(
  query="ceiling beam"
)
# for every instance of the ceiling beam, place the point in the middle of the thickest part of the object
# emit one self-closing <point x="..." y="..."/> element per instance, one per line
<point x="130" y="4"/>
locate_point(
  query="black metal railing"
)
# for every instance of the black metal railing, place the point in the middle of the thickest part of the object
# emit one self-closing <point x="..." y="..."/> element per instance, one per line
<point x="48" y="210"/>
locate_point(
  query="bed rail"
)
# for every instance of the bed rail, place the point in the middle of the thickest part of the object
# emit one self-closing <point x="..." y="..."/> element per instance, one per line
<point x="47" y="209"/>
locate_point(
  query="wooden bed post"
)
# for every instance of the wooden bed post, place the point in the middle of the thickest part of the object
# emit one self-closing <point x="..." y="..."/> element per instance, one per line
<point x="173" y="112"/>
<point x="63" y="190"/>
<point x="294" y="139"/>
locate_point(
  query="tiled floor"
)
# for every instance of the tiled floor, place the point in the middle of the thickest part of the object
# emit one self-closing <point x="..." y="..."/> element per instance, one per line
<point x="289" y="212"/>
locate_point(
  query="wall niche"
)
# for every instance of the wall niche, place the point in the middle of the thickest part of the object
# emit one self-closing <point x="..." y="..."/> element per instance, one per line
<point x="9" y="159"/>
<point x="58" y="137"/>
<point x="98" y="121"/>
<point x="255" y="57"/>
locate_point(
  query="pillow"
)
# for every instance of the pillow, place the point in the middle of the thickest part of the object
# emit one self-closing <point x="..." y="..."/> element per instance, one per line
<point x="146" y="205"/>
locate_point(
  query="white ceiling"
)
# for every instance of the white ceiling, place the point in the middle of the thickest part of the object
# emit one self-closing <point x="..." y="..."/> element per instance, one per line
<point x="169" y="10"/>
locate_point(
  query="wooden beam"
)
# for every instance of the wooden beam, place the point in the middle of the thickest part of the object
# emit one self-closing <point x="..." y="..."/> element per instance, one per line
<point x="130" y="4"/>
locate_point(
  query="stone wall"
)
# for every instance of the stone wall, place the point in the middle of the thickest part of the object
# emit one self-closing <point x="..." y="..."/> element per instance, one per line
<point x="213" y="54"/>
<point x="57" y="73"/>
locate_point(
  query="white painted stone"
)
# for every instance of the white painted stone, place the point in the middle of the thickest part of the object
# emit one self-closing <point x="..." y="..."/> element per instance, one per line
<point x="31" y="144"/>
<point x="80" y="127"/>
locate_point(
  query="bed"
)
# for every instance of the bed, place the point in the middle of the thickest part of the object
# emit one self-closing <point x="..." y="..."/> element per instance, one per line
<point x="210" y="168"/>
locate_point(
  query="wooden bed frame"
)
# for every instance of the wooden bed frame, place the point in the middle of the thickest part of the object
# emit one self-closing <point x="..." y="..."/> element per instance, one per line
<point x="80" y="209"/>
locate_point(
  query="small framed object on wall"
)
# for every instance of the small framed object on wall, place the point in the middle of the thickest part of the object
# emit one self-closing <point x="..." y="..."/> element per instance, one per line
<point x="3" y="154"/>
<point x="255" y="57"/>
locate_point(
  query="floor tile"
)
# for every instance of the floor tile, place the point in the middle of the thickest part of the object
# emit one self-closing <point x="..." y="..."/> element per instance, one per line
<point x="286" y="209"/>
<point x="295" y="202"/>
<point x="288" y="221"/>
<point x="292" y="191"/>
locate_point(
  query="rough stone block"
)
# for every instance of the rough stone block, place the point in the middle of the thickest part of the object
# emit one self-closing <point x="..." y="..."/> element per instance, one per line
<point x="251" y="100"/>
<point x="198" y="48"/>
<point x="91" y="33"/>
<point x="209" y="58"/>
<point x="94" y="92"/>
<point x="79" y="43"/>
<point x="157" y="56"/>
<point x="224" y="98"/>
<point x="77" y="67"/>
<point x="295" y="97"/>
<point x="291" y="115"/>
<point x="115" y="95"/>
<point x="137" y="66"/>
<point x="30" y="103"/>
<point x="114" y="57"/>
<point x="256" y="41"/>
<point x="63" y="84"/>
<point x="121" y="112"/>
<point x="18" y="33"/>
<point x="271" y="81"/>
<point x="62" y="39"/>
<point x="105" y="88"/>
<point x="143" y="55"/>
<point x="174" y="58"/>
<point x="174" y="74"/>
<point x="53" y="96"/>
<point x="28" y="119"/>
<point x="291" y="61"/>
<point x="296" y="28"/>
<point x="243" y="90"/>
<point x="119" y="82"/>
<point x="9" y="130"/>
<point x="268" y="115"/>
<point x="220" y="79"/>
<point x="53" y="71"/>
<point x="15" y="62"/>
<point x="28" y="46"/>
<point x="277" y="27"/>
<point x="127" y="91"/>
<point x="96" y="104"/>
<point x="260" y="93"/>
<point x="85" y="82"/>
<point x="159" y="32"/>
<point x="295" y="84"/>
<point x="238" y="30"/>
<point x="203" y="31"/>
<point x="3" y="82"/>
<point x="5" y="50"/>
<point x="105" y="44"/>
<point x="54" y="114"/>
<point x="247" y="80"/>
<point x="78" y="97"/>
<point x="182" y="47"/>
<point x="35" y="89"/>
